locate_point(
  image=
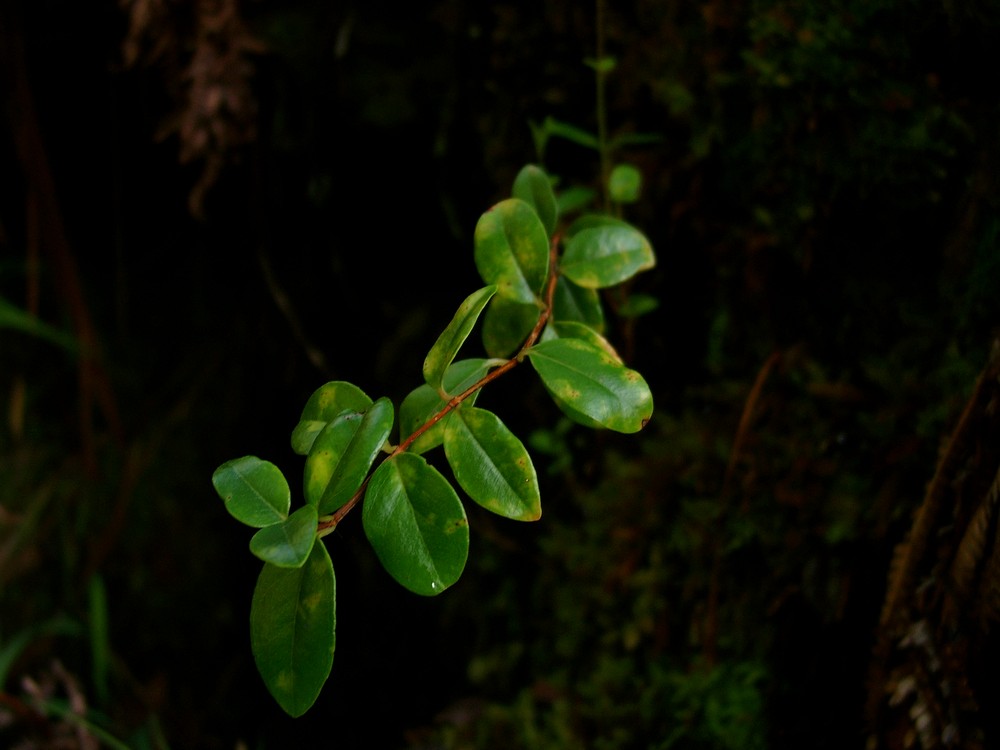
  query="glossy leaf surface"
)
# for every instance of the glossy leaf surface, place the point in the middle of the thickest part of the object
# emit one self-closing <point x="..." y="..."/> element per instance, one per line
<point x="512" y="250"/>
<point x="325" y="453"/>
<point x="416" y="524"/>
<point x="603" y="256"/>
<point x="255" y="492"/>
<point x="492" y="465"/>
<point x="575" y="414"/>
<point x="293" y="629"/>
<point x="423" y="402"/>
<point x="443" y="353"/>
<point x="592" y="383"/>
<point x="343" y="453"/>
<point x="570" y="329"/>
<point x="574" y="303"/>
<point x="593" y="221"/>
<point x="533" y="186"/>
<point x="506" y="325"/>
<point x="326" y="403"/>
<point x="571" y="133"/>
<point x="287" y="544"/>
<point x="574" y="199"/>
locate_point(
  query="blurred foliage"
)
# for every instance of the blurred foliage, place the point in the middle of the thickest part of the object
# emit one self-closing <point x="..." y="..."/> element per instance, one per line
<point x="809" y="153"/>
<point x="828" y="172"/>
<point x="688" y="598"/>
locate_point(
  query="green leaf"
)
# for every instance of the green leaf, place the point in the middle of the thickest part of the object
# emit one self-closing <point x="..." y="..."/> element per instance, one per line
<point x="574" y="198"/>
<point x="492" y="465"/>
<point x="14" y="317"/>
<point x="287" y="544"/>
<point x="637" y="305"/>
<point x="557" y="330"/>
<point x="606" y="255"/>
<point x="255" y="492"/>
<point x="575" y="414"/>
<point x="624" y="183"/>
<point x="601" y="65"/>
<point x="416" y="524"/>
<point x="540" y="137"/>
<point x="593" y="221"/>
<point x="534" y="187"/>
<point x="506" y="325"/>
<point x="572" y="133"/>
<point x="574" y="303"/>
<point x="450" y="341"/>
<point x="293" y="621"/>
<point x="342" y="454"/>
<point x="512" y="250"/>
<point x="424" y="402"/>
<point x="325" y="454"/>
<point x="326" y="403"/>
<point x="570" y="329"/>
<point x="593" y="384"/>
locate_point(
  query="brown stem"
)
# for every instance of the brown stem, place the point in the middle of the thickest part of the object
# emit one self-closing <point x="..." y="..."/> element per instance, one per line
<point x="710" y="628"/>
<point x="456" y="401"/>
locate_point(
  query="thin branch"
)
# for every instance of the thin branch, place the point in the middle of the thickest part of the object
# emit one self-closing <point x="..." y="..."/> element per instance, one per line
<point x="749" y="408"/>
<point x="284" y="305"/>
<point x="710" y="628"/>
<point x="325" y="527"/>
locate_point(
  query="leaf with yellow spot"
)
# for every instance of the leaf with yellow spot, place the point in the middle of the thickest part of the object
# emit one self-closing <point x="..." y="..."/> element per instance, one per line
<point x="293" y="629"/>
<point x="512" y="250"/>
<point x="416" y="524"/>
<point x="324" y="405"/>
<point x="573" y="330"/>
<point x="342" y="454"/>
<point x="255" y="492"/>
<point x="492" y="465"/>
<point x="605" y="252"/>
<point x="592" y="386"/>
<point x="506" y="325"/>
<point x="287" y="544"/>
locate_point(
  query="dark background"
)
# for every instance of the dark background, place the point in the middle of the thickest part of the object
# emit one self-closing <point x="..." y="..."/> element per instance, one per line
<point x="821" y="194"/>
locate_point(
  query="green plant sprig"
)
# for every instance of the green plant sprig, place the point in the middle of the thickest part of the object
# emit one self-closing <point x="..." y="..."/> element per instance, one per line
<point x="324" y="527"/>
<point x="540" y="303"/>
<point x="505" y="366"/>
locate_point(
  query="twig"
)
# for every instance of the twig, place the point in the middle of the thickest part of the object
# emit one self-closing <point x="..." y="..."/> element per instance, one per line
<point x="284" y="305"/>
<point x="711" y="627"/>
<point x="326" y="526"/>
